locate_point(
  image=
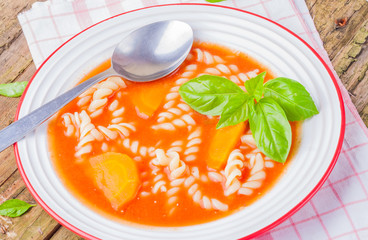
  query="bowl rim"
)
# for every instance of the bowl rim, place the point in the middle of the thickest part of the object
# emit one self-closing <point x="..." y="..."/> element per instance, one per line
<point x="259" y="232"/>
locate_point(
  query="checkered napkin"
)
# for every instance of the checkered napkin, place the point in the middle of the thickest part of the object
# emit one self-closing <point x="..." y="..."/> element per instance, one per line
<point x="340" y="208"/>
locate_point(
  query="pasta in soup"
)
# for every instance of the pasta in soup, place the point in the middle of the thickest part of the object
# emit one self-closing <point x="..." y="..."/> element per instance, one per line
<point x="137" y="152"/>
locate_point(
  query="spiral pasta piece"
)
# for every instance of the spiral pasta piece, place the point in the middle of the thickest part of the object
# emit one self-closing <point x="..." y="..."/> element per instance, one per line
<point x="249" y="140"/>
<point x="117" y="115"/>
<point x="198" y="197"/>
<point x="192" y="147"/>
<point x="176" y="166"/>
<point x="123" y="128"/>
<point x="173" y="199"/>
<point x="87" y="134"/>
<point x="176" y="146"/>
<point x="71" y="123"/>
<point x="240" y="78"/>
<point x="194" y="192"/>
<point x="176" y="113"/>
<point x="257" y="175"/>
<point x="96" y="97"/>
<point x="204" y="56"/>
<point x="233" y="172"/>
<point x="181" y="121"/>
<point x="159" y="184"/>
<point x="136" y="148"/>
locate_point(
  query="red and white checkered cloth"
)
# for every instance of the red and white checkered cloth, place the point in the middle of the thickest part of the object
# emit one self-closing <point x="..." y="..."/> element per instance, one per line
<point x="340" y="208"/>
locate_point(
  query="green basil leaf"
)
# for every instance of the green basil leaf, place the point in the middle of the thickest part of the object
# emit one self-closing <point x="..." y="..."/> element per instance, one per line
<point x="215" y="1"/>
<point x="254" y="86"/>
<point x="14" y="208"/>
<point x="271" y="129"/>
<point x="236" y="111"/>
<point x="209" y="94"/>
<point x="14" y="89"/>
<point x="292" y="97"/>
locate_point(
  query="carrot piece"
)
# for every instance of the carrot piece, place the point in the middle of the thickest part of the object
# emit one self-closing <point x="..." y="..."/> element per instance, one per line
<point x="148" y="97"/>
<point x="222" y="143"/>
<point x="116" y="175"/>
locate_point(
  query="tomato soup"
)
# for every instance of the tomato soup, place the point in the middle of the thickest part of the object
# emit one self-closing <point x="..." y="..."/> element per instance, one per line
<point x="138" y="153"/>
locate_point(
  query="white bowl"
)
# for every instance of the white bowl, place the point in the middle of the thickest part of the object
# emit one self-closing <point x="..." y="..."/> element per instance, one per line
<point x="273" y="45"/>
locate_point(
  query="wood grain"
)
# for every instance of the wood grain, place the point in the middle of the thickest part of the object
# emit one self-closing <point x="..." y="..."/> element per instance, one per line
<point x="346" y="46"/>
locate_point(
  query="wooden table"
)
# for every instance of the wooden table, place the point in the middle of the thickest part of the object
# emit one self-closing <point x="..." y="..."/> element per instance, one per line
<point x="347" y="47"/>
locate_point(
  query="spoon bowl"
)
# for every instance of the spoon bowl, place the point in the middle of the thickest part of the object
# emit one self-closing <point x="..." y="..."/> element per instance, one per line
<point x="146" y="54"/>
<point x="152" y="51"/>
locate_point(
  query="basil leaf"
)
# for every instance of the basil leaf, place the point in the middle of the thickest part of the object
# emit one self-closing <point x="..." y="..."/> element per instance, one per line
<point x="14" y="208"/>
<point x="236" y="111"/>
<point x="254" y="86"/>
<point x="292" y="97"/>
<point x="215" y="1"/>
<point x="271" y="129"/>
<point x="209" y="94"/>
<point x="14" y="89"/>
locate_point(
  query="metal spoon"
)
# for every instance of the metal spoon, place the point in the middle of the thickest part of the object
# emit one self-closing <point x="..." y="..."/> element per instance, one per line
<point x="148" y="53"/>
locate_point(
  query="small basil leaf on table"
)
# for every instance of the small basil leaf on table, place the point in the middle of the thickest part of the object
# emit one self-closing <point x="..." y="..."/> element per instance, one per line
<point x="254" y="86"/>
<point x="209" y="94"/>
<point x="292" y="97"/>
<point x="236" y="111"/>
<point x="215" y="1"/>
<point x="271" y="129"/>
<point x="14" y="89"/>
<point x="14" y="208"/>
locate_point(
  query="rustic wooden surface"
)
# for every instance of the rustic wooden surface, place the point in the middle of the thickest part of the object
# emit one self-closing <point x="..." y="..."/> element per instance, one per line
<point x="346" y="46"/>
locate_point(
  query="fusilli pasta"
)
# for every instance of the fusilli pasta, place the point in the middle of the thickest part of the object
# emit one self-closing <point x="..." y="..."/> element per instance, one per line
<point x="233" y="171"/>
<point x="257" y="175"/>
<point x="176" y="166"/>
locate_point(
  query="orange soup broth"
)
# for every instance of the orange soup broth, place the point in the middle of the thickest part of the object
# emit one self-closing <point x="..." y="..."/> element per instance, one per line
<point x="152" y="209"/>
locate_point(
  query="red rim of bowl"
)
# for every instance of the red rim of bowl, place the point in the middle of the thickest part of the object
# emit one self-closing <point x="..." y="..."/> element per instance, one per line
<point x="252" y="235"/>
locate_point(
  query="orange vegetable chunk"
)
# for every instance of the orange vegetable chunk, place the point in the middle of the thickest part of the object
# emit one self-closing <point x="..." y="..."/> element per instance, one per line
<point x="147" y="97"/>
<point x="222" y="143"/>
<point x="117" y="176"/>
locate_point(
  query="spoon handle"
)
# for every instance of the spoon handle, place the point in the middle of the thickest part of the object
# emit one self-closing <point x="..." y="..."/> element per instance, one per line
<point x="17" y="130"/>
